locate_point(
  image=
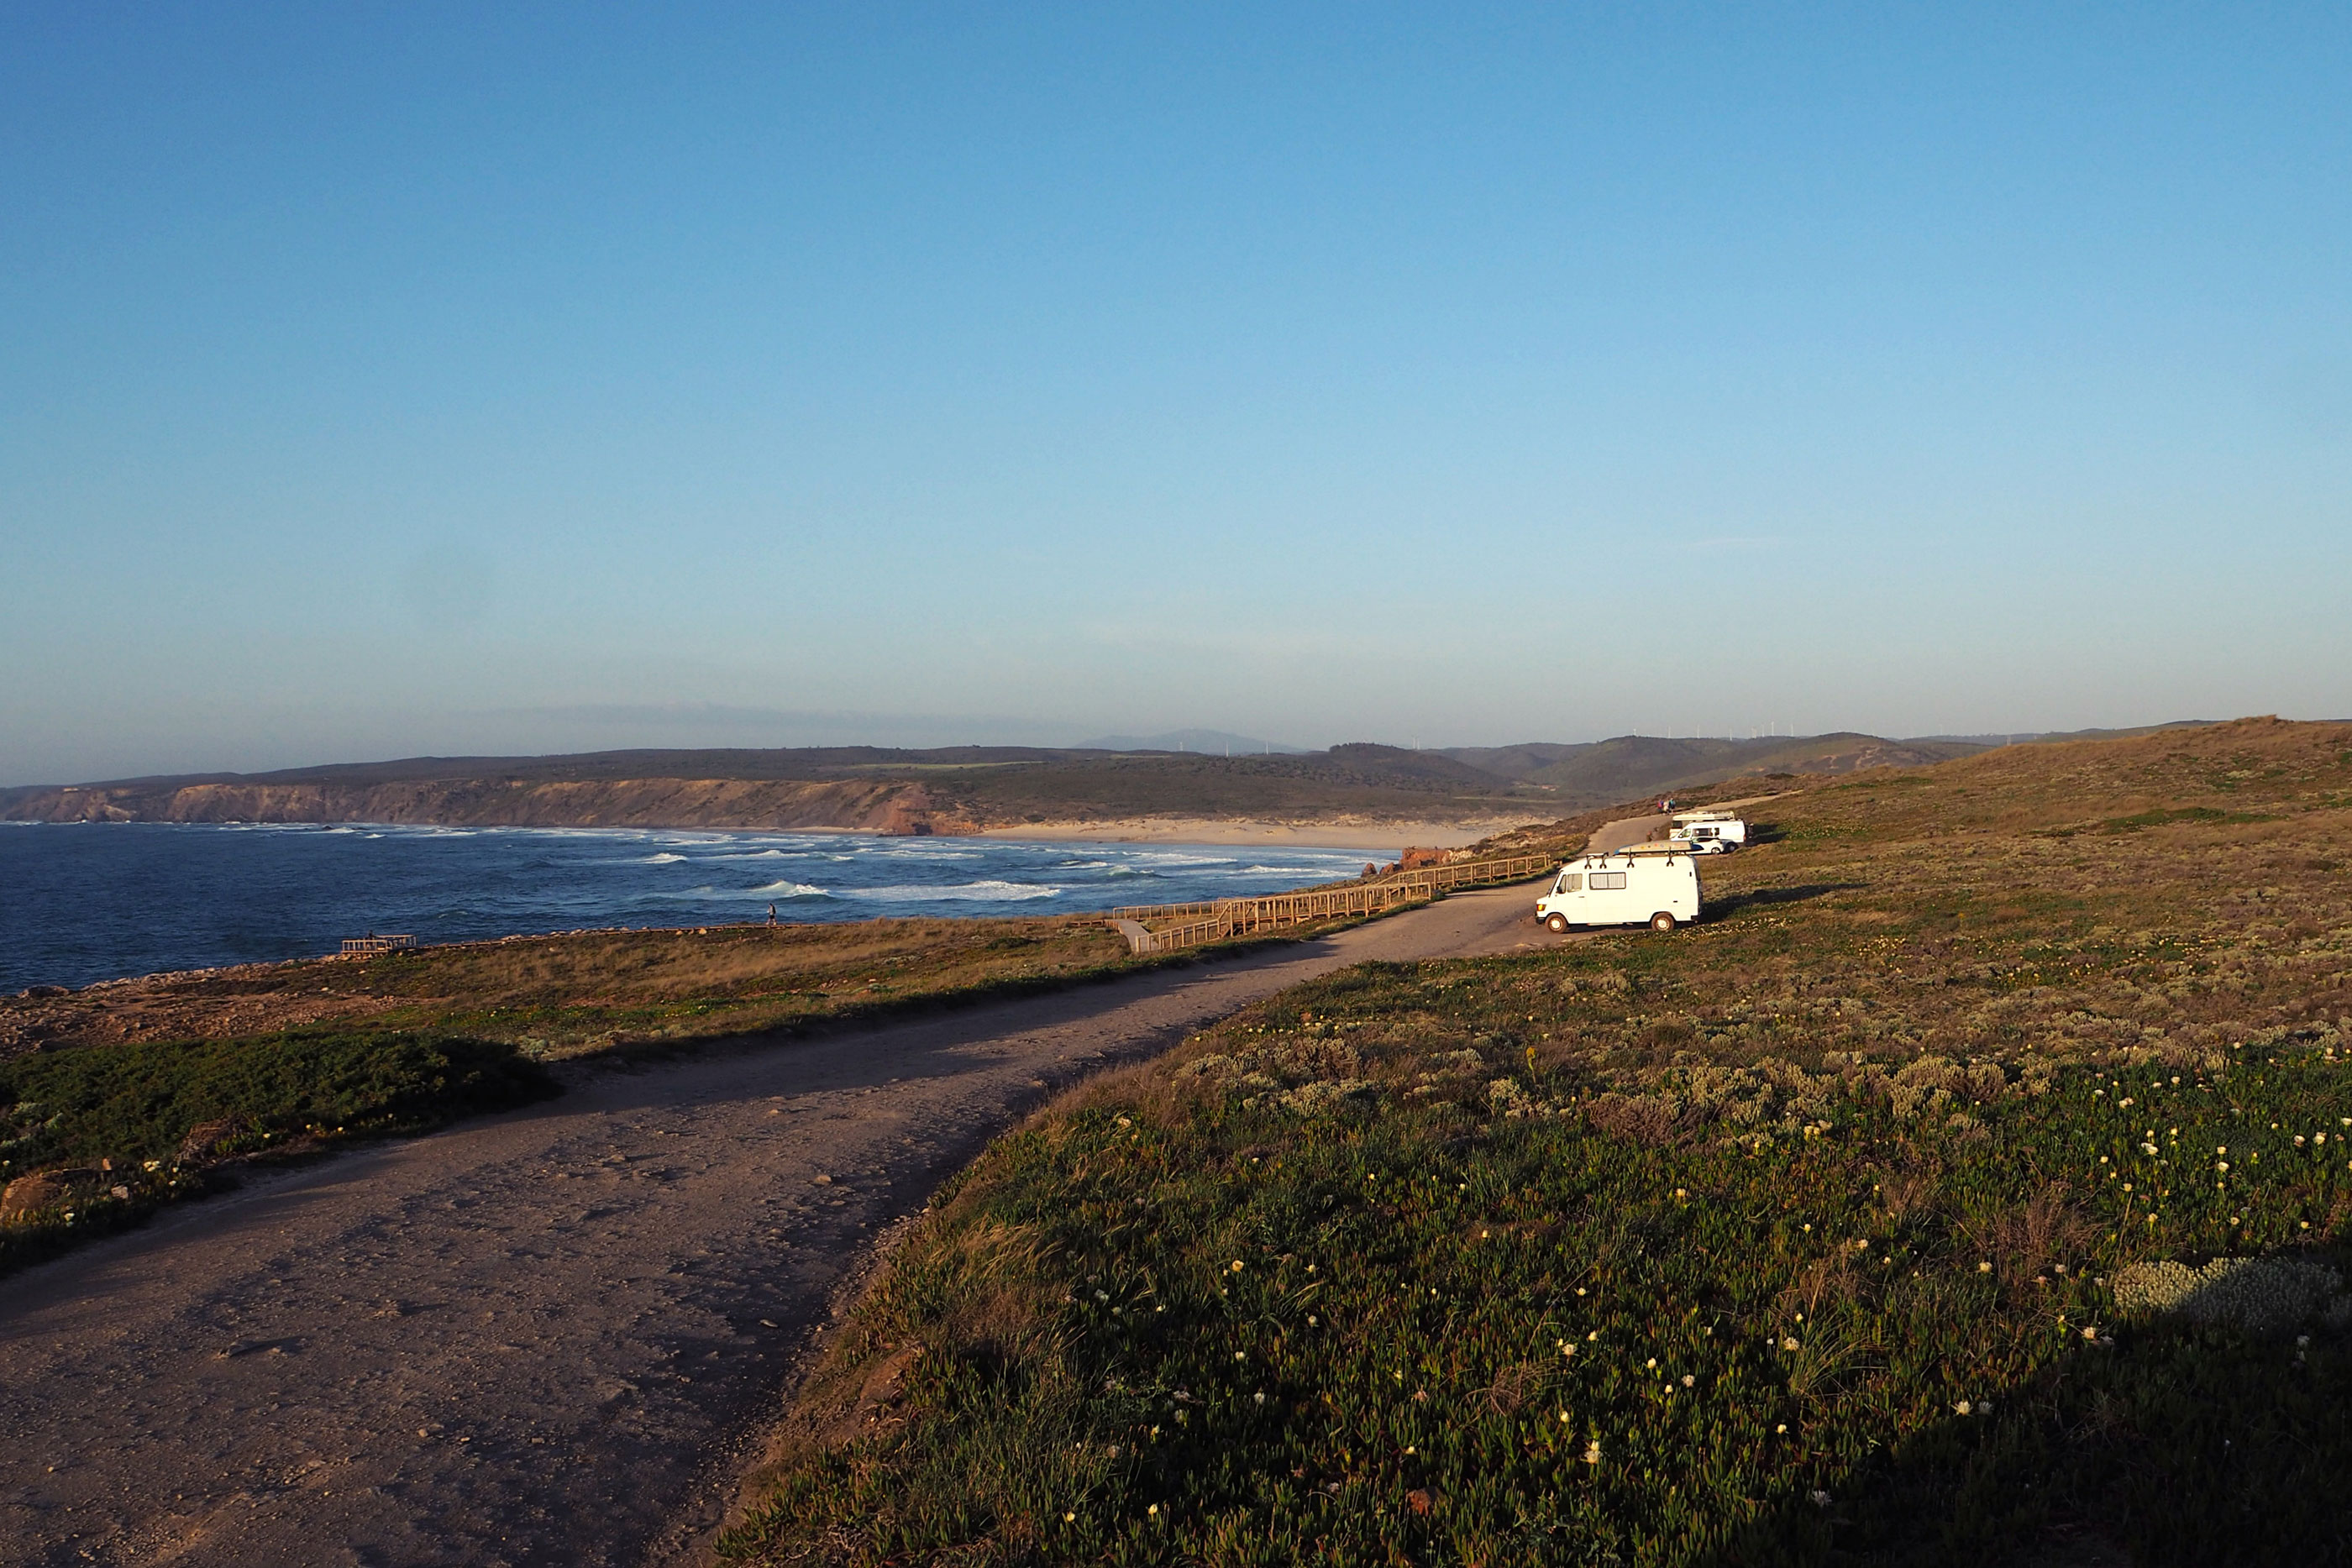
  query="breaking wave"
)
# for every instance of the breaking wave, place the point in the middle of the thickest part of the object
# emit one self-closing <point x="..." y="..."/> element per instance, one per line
<point x="989" y="891"/>
<point x="787" y="890"/>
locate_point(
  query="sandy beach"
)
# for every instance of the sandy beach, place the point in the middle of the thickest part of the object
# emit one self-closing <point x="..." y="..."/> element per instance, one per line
<point x="1340" y="833"/>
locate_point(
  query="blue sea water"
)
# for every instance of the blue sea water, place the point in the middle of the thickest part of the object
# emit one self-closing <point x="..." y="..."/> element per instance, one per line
<point x="91" y="902"/>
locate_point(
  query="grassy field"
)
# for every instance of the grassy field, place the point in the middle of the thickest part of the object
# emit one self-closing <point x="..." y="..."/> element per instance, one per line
<point x="1971" y="1187"/>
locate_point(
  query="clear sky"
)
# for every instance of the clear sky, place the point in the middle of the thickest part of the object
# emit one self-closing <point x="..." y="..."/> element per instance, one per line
<point x="385" y="379"/>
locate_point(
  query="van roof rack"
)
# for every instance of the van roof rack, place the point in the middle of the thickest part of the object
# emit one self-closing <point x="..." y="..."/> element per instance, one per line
<point x="1647" y="849"/>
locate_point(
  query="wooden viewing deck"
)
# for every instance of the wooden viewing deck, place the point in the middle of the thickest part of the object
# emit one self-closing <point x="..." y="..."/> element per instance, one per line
<point x="360" y="947"/>
<point x="1164" y="927"/>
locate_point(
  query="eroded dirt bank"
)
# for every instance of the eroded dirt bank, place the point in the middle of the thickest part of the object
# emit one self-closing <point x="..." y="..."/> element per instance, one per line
<point x="543" y="1338"/>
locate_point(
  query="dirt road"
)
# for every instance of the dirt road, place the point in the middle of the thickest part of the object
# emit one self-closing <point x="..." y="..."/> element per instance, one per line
<point x="1625" y="831"/>
<point x="541" y="1338"/>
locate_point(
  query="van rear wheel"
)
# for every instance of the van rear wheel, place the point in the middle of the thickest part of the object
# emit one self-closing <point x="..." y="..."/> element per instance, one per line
<point x="1558" y="923"/>
<point x="1661" y="921"/>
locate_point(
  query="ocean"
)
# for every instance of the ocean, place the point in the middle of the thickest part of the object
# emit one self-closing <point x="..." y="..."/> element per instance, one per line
<point x="92" y="901"/>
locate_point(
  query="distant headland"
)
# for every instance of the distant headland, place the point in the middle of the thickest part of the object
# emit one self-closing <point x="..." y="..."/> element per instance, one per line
<point x="1436" y="796"/>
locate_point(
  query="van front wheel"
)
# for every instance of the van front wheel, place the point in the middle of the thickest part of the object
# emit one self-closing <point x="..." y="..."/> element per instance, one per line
<point x="1558" y="923"/>
<point x="1661" y="921"/>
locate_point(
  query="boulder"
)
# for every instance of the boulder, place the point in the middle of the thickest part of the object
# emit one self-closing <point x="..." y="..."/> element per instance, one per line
<point x="203" y="1138"/>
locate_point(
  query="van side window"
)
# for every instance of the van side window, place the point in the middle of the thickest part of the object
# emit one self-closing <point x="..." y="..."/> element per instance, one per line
<point x="1571" y="882"/>
<point x="1603" y="881"/>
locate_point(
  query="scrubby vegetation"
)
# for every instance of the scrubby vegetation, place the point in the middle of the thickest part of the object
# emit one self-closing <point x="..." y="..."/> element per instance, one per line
<point x="100" y="1088"/>
<point x="1972" y="1187"/>
<point x="112" y="1132"/>
<point x="573" y="993"/>
<point x="119" y="1098"/>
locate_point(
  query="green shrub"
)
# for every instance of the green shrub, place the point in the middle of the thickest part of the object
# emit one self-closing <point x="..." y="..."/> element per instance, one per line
<point x="138" y="1101"/>
<point x="133" y="1107"/>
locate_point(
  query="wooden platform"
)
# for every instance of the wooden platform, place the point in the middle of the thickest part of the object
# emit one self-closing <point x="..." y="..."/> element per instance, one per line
<point x="361" y="947"/>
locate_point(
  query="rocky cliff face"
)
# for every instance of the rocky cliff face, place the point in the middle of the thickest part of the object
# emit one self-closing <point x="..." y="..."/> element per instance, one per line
<point x="863" y="805"/>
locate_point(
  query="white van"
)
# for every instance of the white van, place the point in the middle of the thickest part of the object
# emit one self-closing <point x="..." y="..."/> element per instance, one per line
<point x="1656" y="885"/>
<point x="1709" y="832"/>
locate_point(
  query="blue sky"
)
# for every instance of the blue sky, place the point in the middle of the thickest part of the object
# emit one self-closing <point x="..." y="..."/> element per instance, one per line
<point x="378" y="381"/>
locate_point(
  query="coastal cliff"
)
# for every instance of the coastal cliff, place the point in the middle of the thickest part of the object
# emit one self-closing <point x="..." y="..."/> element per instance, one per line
<point x="872" y="806"/>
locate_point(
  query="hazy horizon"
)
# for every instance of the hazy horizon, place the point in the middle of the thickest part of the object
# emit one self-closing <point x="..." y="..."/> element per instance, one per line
<point x="433" y="381"/>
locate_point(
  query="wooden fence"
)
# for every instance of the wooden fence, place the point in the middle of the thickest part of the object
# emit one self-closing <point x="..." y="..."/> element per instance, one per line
<point x="1164" y="927"/>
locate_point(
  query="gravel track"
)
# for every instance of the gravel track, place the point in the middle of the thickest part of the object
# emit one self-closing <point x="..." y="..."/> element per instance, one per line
<point x="554" y="1336"/>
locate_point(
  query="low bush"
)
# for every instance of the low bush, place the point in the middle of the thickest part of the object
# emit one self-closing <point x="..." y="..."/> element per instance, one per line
<point x="128" y="1126"/>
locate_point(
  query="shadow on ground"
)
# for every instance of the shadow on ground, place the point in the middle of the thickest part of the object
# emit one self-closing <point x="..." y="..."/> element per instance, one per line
<point x="1766" y="897"/>
<point x="2164" y="1446"/>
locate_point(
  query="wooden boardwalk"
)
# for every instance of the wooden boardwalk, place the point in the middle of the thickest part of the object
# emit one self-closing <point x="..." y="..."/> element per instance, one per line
<point x="1164" y="927"/>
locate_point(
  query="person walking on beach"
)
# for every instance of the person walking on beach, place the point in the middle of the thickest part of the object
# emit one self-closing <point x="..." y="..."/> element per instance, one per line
<point x="771" y="915"/>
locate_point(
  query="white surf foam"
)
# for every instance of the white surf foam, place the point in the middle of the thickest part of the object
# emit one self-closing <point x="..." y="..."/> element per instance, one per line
<point x="990" y="891"/>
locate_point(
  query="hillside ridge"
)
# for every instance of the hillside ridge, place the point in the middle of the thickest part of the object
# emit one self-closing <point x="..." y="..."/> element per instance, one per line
<point x="972" y="789"/>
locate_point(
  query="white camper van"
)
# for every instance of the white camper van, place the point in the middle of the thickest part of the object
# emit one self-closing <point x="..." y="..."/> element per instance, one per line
<point x="1708" y="832"/>
<point x="1653" y="884"/>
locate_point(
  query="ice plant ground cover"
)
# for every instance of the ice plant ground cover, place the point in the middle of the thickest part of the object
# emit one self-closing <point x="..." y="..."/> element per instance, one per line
<point x="1785" y="1238"/>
